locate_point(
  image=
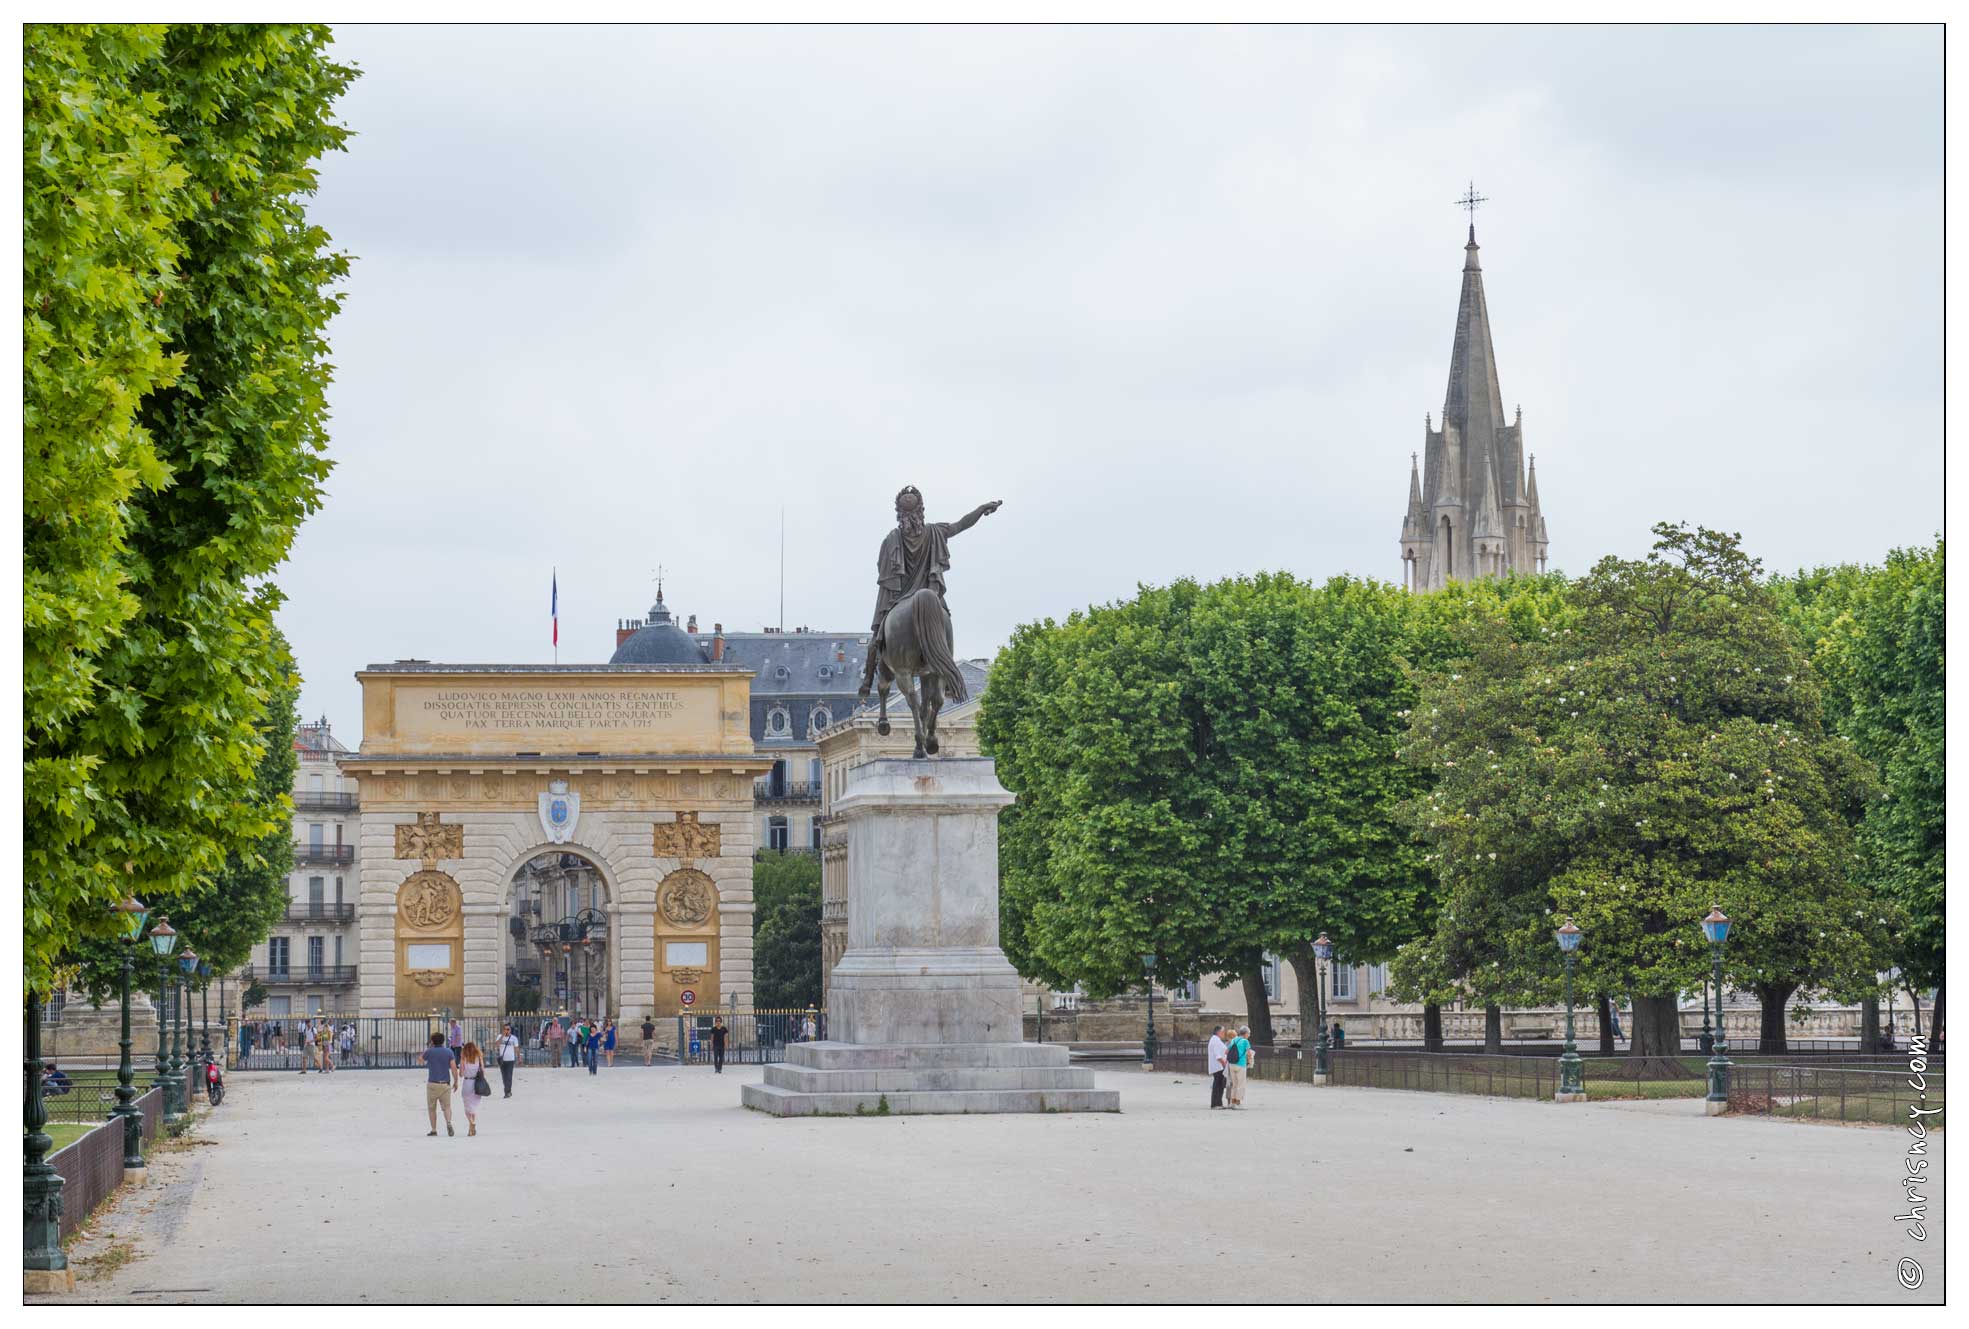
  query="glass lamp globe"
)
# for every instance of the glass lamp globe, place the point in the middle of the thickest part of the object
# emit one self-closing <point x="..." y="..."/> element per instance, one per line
<point x="1716" y="927"/>
<point x="1323" y="947"/>
<point x="163" y="937"/>
<point x="1568" y="937"/>
<point x="130" y="915"/>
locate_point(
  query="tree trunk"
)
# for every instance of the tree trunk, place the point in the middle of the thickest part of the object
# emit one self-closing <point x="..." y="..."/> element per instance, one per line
<point x="1493" y="1029"/>
<point x="1935" y="1022"/>
<point x="1257" y="1005"/>
<point x="1869" y="1024"/>
<point x="1432" y="1026"/>
<point x="1604" y="1010"/>
<point x="1915" y="997"/>
<point x="1771" y="998"/>
<point x="1302" y="961"/>
<point x="1657" y="1030"/>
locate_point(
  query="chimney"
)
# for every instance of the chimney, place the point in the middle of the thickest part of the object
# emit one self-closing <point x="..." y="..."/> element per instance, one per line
<point x="717" y="641"/>
<point x="625" y="628"/>
<point x="691" y="627"/>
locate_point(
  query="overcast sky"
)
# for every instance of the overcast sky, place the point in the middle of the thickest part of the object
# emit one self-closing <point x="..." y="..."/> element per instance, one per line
<point x="1179" y="296"/>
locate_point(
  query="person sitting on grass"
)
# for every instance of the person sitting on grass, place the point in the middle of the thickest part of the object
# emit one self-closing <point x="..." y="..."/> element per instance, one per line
<point x="54" y="1081"/>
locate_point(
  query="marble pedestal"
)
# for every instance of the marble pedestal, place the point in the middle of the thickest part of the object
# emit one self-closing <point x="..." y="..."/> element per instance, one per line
<point x="924" y="1009"/>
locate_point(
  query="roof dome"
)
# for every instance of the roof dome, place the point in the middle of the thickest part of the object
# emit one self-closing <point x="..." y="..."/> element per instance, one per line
<point x="658" y="642"/>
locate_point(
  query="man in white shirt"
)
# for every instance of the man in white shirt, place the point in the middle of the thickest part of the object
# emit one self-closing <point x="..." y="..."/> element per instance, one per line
<point x="509" y="1056"/>
<point x="1217" y="1058"/>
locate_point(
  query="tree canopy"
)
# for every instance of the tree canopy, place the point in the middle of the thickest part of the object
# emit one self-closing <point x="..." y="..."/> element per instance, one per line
<point x="1662" y="753"/>
<point x="176" y="297"/>
<point x="786" y="931"/>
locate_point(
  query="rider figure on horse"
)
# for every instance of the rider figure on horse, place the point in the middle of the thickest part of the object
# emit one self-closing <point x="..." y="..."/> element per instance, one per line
<point x="914" y="556"/>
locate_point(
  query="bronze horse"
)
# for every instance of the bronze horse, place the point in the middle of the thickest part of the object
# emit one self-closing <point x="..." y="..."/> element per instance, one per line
<point x="916" y="644"/>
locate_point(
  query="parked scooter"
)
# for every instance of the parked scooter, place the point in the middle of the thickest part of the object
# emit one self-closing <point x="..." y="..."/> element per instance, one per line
<point x="215" y="1083"/>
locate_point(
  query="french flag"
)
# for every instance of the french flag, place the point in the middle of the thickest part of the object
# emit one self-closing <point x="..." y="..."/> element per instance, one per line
<point x="554" y="606"/>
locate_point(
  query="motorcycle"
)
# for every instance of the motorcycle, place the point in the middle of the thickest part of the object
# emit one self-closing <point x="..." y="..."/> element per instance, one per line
<point x="215" y="1084"/>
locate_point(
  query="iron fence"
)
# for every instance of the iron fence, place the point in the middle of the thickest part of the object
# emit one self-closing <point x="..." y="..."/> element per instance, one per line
<point x="751" y="1036"/>
<point x="1822" y="1093"/>
<point x="92" y="1167"/>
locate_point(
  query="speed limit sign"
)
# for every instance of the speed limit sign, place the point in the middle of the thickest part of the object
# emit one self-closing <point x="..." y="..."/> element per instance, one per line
<point x="689" y="998"/>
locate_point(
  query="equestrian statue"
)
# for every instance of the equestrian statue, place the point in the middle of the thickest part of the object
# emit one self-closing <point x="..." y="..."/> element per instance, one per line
<point x="912" y="645"/>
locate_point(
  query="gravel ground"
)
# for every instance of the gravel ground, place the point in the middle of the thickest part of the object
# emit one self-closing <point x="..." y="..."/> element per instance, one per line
<point x="653" y="1185"/>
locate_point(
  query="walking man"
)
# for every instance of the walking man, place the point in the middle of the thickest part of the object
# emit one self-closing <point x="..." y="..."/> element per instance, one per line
<point x="509" y="1056"/>
<point x="1216" y="1059"/>
<point x="649" y="1039"/>
<point x="718" y="1046"/>
<point x="555" y="1037"/>
<point x="441" y="1071"/>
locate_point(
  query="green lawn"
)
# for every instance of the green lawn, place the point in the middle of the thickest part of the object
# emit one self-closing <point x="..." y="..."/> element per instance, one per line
<point x="66" y="1133"/>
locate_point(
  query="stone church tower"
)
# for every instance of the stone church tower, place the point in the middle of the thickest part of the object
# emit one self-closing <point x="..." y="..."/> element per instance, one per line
<point x="1473" y="505"/>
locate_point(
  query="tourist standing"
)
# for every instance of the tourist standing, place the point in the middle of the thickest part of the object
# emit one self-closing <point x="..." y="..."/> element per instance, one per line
<point x="608" y="1040"/>
<point x="809" y="1027"/>
<point x="591" y="1045"/>
<point x="509" y="1057"/>
<point x="649" y="1039"/>
<point x="555" y="1037"/>
<point x="1216" y="1058"/>
<point x="472" y="1084"/>
<point x="1237" y="1059"/>
<point x="280" y="1038"/>
<point x="307" y="1047"/>
<point x="455" y="1037"/>
<point x="441" y="1073"/>
<point x="718" y="1046"/>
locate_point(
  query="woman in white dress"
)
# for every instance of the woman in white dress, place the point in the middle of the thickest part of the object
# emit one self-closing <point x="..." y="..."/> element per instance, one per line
<point x="471" y="1065"/>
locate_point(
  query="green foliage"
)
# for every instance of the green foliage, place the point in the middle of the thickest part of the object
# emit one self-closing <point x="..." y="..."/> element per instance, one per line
<point x="176" y="298"/>
<point x="254" y="997"/>
<point x="1889" y="666"/>
<point x="786" y="931"/>
<point x="1209" y="772"/>
<point x="1661" y="753"/>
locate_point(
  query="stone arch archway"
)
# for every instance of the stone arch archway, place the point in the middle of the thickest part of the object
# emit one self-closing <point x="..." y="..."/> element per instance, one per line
<point x="572" y="891"/>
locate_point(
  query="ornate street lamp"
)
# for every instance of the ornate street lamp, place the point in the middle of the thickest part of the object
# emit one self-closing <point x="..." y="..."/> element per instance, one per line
<point x="163" y="940"/>
<point x="1148" y="1037"/>
<point x="1572" y="1079"/>
<point x="130" y="915"/>
<point x="44" y="1266"/>
<point x="181" y="1030"/>
<point x="1322" y="952"/>
<point x="205" y="1018"/>
<point x="1716" y="928"/>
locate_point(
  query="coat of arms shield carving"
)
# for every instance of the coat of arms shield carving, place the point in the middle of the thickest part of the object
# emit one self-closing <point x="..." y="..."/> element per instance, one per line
<point x="559" y="810"/>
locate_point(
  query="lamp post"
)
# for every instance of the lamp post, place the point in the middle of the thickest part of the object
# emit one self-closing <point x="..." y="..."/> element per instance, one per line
<point x="1572" y="1079"/>
<point x="205" y="1017"/>
<point x="1322" y="952"/>
<point x="181" y="1029"/>
<point x="163" y="940"/>
<point x="1148" y="1035"/>
<point x="44" y="1267"/>
<point x="130" y="916"/>
<point x="1707" y="1043"/>
<point x="1716" y="927"/>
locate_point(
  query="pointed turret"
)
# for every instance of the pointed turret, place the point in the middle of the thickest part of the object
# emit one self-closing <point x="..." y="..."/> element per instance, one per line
<point x="1473" y="402"/>
<point x="1473" y="510"/>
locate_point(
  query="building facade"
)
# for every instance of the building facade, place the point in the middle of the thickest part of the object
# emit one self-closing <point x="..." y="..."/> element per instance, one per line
<point x="307" y="964"/>
<point x="597" y="815"/>
<point x="1473" y="507"/>
<point x="803" y="681"/>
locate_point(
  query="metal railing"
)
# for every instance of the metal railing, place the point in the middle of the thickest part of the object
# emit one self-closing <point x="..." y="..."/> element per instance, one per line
<point x="320" y="975"/>
<point x="304" y="912"/>
<point x="786" y="791"/>
<point x="92" y="1167"/>
<point x="306" y="852"/>
<point x="1832" y="1093"/>
<point x="804" y="851"/>
<point x="324" y="802"/>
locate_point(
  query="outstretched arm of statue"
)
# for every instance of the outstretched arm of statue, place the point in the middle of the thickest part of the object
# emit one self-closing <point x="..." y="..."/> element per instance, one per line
<point x="970" y="519"/>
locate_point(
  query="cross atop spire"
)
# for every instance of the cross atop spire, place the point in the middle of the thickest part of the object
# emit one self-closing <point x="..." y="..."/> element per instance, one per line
<point x="1470" y="202"/>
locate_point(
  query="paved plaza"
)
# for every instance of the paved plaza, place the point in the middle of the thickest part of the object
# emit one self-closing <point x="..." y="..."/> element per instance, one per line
<point x="653" y="1185"/>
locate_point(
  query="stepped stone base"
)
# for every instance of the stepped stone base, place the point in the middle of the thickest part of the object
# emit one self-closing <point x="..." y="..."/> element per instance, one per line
<point x="855" y="1080"/>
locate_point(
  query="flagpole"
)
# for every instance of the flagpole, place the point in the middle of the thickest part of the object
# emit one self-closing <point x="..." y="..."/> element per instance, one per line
<point x="557" y="614"/>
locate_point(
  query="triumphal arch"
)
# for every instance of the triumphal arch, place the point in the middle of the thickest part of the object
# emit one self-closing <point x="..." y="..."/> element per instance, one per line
<point x="594" y="821"/>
